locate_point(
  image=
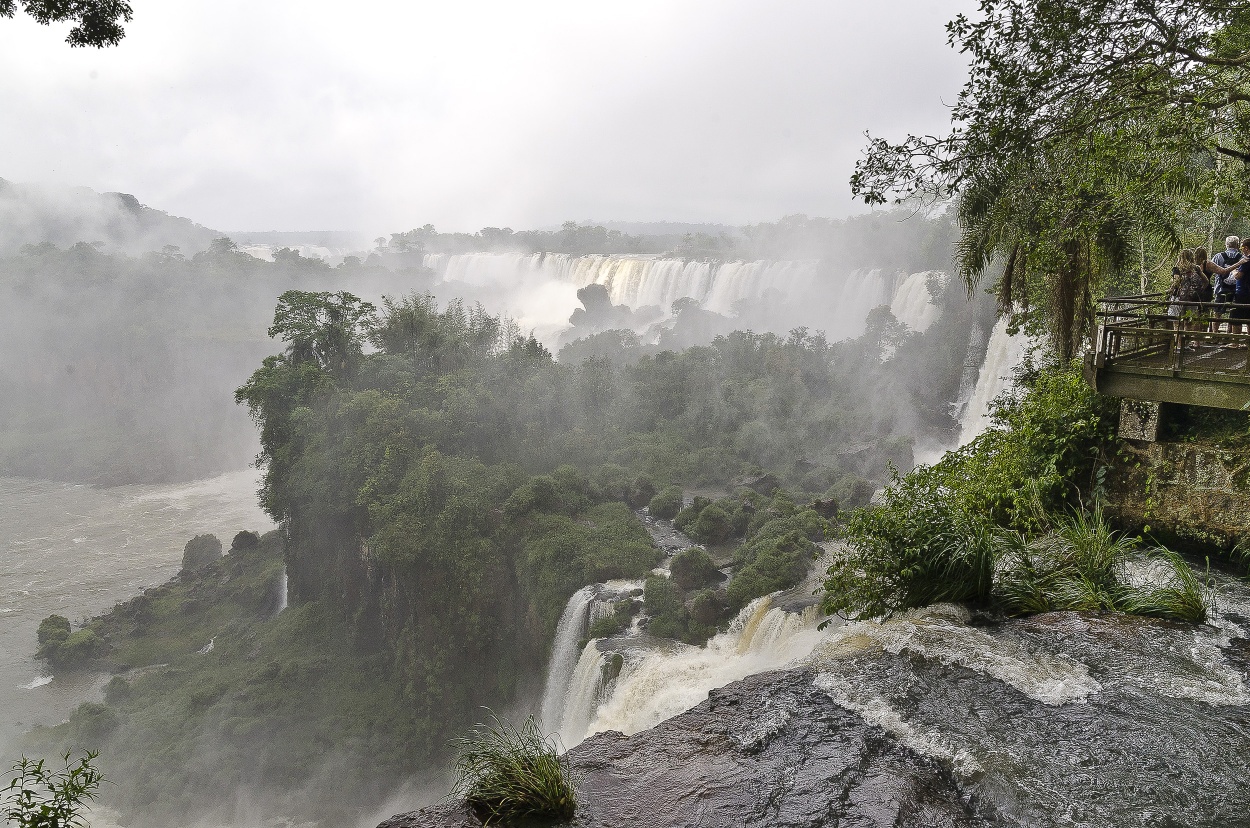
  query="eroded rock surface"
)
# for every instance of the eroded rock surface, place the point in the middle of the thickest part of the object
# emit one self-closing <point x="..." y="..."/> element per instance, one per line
<point x="769" y="750"/>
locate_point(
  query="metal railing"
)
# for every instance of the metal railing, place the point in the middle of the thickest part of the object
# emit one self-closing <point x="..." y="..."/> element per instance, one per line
<point x="1153" y="334"/>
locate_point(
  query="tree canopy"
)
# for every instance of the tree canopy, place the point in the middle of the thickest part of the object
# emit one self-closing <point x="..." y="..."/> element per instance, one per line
<point x="96" y="22"/>
<point x="1091" y="137"/>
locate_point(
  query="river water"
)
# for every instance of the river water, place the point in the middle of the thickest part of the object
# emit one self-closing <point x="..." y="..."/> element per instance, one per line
<point x="76" y="550"/>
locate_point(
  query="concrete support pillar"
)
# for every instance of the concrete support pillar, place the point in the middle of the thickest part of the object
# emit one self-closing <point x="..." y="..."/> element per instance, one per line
<point x="1139" y="420"/>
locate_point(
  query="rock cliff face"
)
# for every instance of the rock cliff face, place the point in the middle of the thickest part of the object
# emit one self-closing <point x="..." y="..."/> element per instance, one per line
<point x="769" y="750"/>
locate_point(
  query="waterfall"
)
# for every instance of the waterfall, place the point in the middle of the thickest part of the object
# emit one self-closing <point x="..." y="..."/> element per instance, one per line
<point x="975" y="357"/>
<point x="912" y="303"/>
<point x="569" y="632"/>
<point x="283" y="590"/>
<point x="582" y="699"/>
<point x="663" y="678"/>
<point x="1003" y="354"/>
<point x="540" y="289"/>
<point x="573" y="681"/>
<point x="635" y="281"/>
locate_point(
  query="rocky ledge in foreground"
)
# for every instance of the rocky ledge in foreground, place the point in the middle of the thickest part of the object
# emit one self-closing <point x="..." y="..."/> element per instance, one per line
<point x="769" y="750"/>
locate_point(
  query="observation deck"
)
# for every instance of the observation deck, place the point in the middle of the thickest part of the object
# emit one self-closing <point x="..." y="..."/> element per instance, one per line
<point x="1139" y="353"/>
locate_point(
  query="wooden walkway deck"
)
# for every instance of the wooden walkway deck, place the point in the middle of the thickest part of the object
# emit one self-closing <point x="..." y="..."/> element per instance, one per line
<point x="1139" y="353"/>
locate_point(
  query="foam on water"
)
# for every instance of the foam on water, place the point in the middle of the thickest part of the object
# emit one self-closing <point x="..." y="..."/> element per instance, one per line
<point x="942" y="633"/>
<point x="656" y="683"/>
<point x="876" y="710"/>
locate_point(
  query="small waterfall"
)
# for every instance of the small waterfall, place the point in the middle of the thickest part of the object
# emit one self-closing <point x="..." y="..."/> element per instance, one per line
<point x="573" y="681"/>
<point x="283" y="590"/>
<point x="582" y="699"/>
<point x="1003" y="354"/>
<point x="913" y="305"/>
<point x="972" y="369"/>
<point x="569" y="632"/>
<point x="667" y="678"/>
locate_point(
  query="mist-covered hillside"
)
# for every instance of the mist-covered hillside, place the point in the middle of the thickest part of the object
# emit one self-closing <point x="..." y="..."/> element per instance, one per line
<point x="123" y="364"/>
<point x="114" y="222"/>
<point x="122" y="369"/>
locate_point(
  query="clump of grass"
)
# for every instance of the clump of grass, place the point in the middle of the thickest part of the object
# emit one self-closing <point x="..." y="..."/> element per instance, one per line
<point x="1184" y="598"/>
<point x="508" y="774"/>
<point x="1079" y="564"/>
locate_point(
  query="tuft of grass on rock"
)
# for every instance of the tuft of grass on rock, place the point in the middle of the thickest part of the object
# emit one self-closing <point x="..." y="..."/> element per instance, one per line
<point x="1079" y="565"/>
<point x="508" y="774"/>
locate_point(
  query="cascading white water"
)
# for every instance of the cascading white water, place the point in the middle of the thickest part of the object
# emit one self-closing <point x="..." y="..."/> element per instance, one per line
<point x="1003" y="354"/>
<point x="661" y="681"/>
<point x="283" y="591"/>
<point x="635" y="281"/>
<point x="569" y="631"/>
<point x="913" y="304"/>
<point x="574" y="681"/>
<point x="539" y="289"/>
<point x="584" y="693"/>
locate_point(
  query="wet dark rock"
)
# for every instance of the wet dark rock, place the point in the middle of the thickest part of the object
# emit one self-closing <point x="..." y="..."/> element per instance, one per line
<point x="769" y="750"/>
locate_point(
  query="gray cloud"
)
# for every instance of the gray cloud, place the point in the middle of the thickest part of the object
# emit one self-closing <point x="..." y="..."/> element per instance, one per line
<point x="383" y="115"/>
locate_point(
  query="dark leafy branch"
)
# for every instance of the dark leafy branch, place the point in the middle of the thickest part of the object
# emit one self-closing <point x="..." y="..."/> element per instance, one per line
<point x="96" y="22"/>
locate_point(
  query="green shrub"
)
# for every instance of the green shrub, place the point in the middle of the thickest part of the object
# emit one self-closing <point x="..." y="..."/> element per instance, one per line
<point x="918" y="548"/>
<point x="92" y="722"/>
<point x="660" y="596"/>
<point x="640" y="492"/>
<point x="852" y="491"/>
<point x="688" y="515"/>
<point x="605" y="627"/>
<point x="199" y="552"/>
<point x="708" y="608"/>
<point x="775" y="563"/>
<point x="53" y="631"/>
<point x="666" y="504"/>
<point x="692" y="568"/>
<point x="1076" y="565"/>
<point x="933" y="537"/>
<point x="712" y="525"/>
<point x="78" y="650"/>
<point x="506" y="774"/>
<point x="665" y="604"/>
<point x="244" y="540"/>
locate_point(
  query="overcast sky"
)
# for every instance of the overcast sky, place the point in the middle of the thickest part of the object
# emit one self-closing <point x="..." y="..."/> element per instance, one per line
<point x="381" y="116"/>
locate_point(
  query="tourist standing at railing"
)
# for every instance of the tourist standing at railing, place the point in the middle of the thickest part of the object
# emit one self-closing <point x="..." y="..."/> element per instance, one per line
<point x="1222" y="267"/>
<point x="1240" y="315"/>
<point x="1189" y="290"/>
